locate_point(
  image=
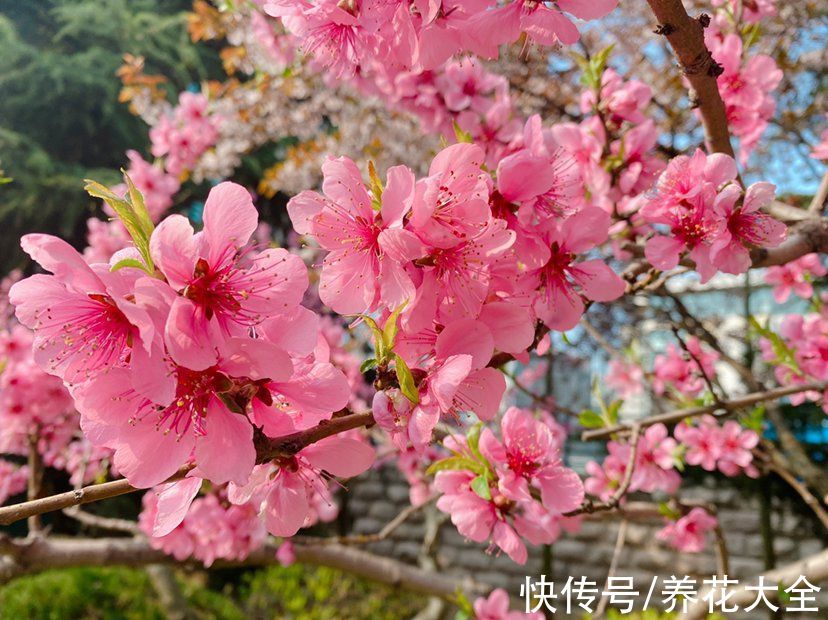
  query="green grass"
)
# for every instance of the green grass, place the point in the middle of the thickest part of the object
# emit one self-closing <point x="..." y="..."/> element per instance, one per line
<point x="292" y="593"/>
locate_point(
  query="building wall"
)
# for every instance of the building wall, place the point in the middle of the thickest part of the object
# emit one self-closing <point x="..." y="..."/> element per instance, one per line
<point x="377" y="498"/>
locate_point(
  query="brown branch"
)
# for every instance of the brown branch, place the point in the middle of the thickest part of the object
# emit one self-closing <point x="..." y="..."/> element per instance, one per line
<point x="807" y="236"/>
<point x="818" y="201"/>
<point x="813" y="503"/>
<point x="722" y="556"/>
<point x="35" y="483"/>
<point x="363" y="539"/>
<point x="613" y="502"/>
<point x="266" y="450"/>
<point x="616" y="555"/>
<point x="103" y="523"/>
<point x="35" y="555"/>
<point x="814" y="568"/>
<point x="686" y="37"/>
<point x="722" y="408"/>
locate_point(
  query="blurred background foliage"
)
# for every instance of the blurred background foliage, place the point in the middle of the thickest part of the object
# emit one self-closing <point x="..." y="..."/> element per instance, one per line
<point x="288" y="593"/>
<point x="60" y="118"/>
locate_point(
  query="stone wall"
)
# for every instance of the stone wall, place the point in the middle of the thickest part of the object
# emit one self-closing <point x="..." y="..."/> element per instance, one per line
<point x="375" y="499"/>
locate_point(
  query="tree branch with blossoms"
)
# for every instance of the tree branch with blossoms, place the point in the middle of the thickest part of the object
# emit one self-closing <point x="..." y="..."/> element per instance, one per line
<point x="479" y="244"/>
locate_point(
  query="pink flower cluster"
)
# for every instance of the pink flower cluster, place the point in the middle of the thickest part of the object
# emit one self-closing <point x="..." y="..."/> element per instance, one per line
<point x="350" y="36"/>
<point x="688" y="533"/>
<point x="750" y="11"/>
<point x="795" y="277"/>
<point x="179" y="362"/>
<point x="13" y="479"/>
<point x="654" y="466"/>
<point x="624" y="378"/>
<point x="31" y="401"/>
<point x="182" y="135"/>
<point x="711" y="446"/>
<point x="496" y="607"/>
<point x="509" y="489"/>
<point x="798" y="353"/>
<point x="706" y="215"/>
<point x="684" y="371"/>
<point x="746" y="86"/>
<point x="212" y="529"/>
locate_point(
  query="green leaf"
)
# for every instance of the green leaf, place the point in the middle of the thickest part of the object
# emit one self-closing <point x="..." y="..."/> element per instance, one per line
<point x="138" y="206"/>
<point x="367" y="365"/>
<point x="481" y="487"/>
<point x="379" y="343"/>
<point x="456" y="463"/>
<point x="4" y="180"/>
<point x="590" y="419"/>
<point x="755" y="420"/>
<point x="390" y="329"/>
<point x="612" y="411"/>
<point x="784" y="354"/>
<point x="135" y="224"/>
<point x="473" y="439"/>
<point x="460" y="135"/>
<point x="466" y="610"/>
<point x="133" y="263"/>
<point x="375" y="186"/>
<point x="666" y="511"/>
<point x="406" y="380"/>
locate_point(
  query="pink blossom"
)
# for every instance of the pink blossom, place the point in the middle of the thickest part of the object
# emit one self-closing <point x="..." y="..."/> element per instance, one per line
<point x="745" y="226"/>
<point x="222" y="290"/>
<point x="526" y="456"/>
<point x="185" y="133"/>
<point x="703" y="442"/>
<point x="558" y="303"/>
<point x="688" y="533"/>
<point x="283" y="490"/>
<point x="795" y="277"/>
<point x="496" y="607"/>
<point x="626" y="378"/>
<point x="541" y="177"/>
<point x="746" y="86"/>
<point x="368" y="250"/>
<point x="678" y="370"/>
<point x="82" y="320"/>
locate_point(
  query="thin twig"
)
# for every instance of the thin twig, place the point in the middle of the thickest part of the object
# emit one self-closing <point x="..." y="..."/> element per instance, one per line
<point x="35" y="483"/>
<point x="266" y="450"/>
<point x="363" y="539"/>
<point x="818" y="201"/>
<point x="613" y="502"/>
<point x="813" y="503"/>
<point x="718" y="409"/>
<point x="616" y="554"/>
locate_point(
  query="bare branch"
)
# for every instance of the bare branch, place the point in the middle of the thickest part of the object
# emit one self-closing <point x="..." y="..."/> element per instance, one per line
<point x="30" y="556"/>
<point x="814" y="568"/>
<point x="807" y="236"/>
<point x="613" y="502"/>
<point x="686" y="37"/>
<point x="266" y="450"/>
<point x="720" y="408"/>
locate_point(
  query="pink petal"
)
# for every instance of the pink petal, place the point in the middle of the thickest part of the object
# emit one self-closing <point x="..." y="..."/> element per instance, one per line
<point x="174" y="501"/>
<point x="341" y="456"/>
<point x="255" y="358"/>
<point x="225" y="452"/>
<point x="189" y="336"/>
<point x="173" y="250"/>
<point x="598" y="281"/>
<point x="229" y="219"/>
<point x="286" y="505"/>
<point x="466" y="336"/>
